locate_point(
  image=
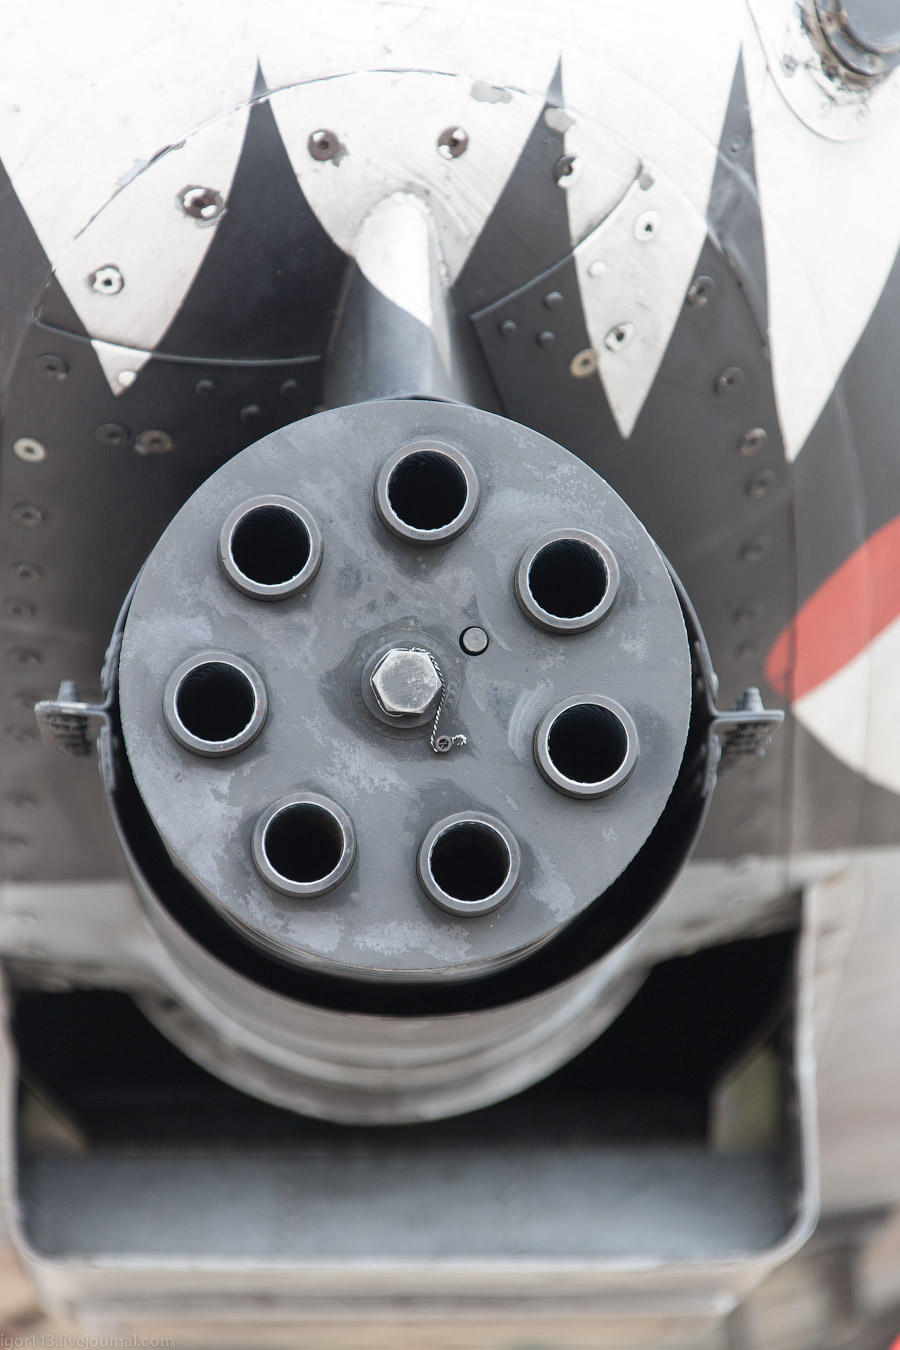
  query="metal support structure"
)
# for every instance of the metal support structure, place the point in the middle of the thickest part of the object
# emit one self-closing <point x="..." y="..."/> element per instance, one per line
<point x="396" y="334"/>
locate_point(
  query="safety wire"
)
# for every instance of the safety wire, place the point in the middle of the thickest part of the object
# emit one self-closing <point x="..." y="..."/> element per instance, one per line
<point x="443" y="743"/>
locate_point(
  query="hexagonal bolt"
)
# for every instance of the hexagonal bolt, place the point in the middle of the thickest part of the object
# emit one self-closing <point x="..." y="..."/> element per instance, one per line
<point x="406" y="683"/>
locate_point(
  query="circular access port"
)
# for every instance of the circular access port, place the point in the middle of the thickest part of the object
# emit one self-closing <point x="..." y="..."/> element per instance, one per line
<point x="586" y="747"/>
<point x="427" y="494"/>
<point x="304" y="845"/>
<point x="215" y="704"/>
<point x="270" y="547"/>
<point x="469" y="863"/>
<point x="567" y="581"/>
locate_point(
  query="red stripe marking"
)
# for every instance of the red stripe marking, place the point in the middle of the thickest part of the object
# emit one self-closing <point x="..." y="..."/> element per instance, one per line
<point x="839" y="619"/>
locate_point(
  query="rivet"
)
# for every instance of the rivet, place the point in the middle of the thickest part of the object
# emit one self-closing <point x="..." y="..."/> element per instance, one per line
<point x="288" y="388"/>
<point x="553" y="300"/>
<point x="583" y="363"/>
<point x="24" y="656"/>
<point x="751" y="441"/>
<point x="754" y="549"/>
<point x="201" y="203"/>
<point x="761" y="484"/>
<point x="22" y="801"/>
<point x="13" y="842"/>
<point x="27" y="448"/>
<point x="250" y="412"/>
<point x="748" y="648"/>
<point x="729" y="380"/>
<point x="646" y="227"/>
<point x="21" y="735"/>
<point x="106" y="280"/>
<point x="564" y="170"/>
<point x="112" y="433"/>
<point x="26" y="571"/>
<point x="323" y="144"/>
<point x="126" y="378"/>
<point x="736" y="145"/>
<point x="546" y="338"/>
<point x="25" y="698"/>
<point x="51" y="366"/>
<point x="746" y="614"/>
<point x="154" y="442"/>
<point x="204" y="387"/>
<point x="17" y="608"/>
<point x="453" y="142"/>
<point x="508" y="328"/>
<point x="700" y="291"/>
<point x="27" y="513"/>
<point x="619" y="337"/>
<point x="596" y="268"/>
